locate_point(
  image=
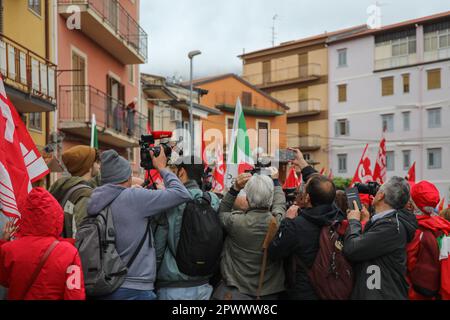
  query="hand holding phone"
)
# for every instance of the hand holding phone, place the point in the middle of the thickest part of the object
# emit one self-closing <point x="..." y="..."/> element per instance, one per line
<point x="352" y="196"/>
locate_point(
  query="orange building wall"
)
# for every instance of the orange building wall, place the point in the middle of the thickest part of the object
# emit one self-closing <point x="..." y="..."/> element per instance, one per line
<point x="226" y="91"/>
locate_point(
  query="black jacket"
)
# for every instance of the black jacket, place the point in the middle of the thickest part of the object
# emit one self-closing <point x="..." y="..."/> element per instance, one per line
<point x="300" y="238"/>
<point x="379" y="256"/>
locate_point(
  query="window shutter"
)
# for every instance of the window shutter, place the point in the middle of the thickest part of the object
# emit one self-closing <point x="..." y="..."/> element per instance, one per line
<point x="347" y="127"/>
<point x="23" y="67"/>
<point x="2" y="57"/>
<point x="336" y="128"/>
<point x="434" y="79"/>
<point x="387" y="86"/>
<point x="12" y="62"/>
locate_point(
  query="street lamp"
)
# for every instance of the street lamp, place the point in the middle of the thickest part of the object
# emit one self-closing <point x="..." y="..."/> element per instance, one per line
<point x="191" y="56"/>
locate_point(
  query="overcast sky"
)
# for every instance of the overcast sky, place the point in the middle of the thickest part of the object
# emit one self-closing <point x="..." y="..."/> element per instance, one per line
<point x="222" y="29"/>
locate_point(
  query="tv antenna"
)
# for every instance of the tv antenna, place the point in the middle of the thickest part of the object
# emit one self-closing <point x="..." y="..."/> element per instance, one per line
<point x="274" y="35"/>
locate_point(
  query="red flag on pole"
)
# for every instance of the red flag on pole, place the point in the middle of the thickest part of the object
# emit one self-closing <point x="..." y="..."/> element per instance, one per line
<point x="411" y="176"/>
<point x="379" y="173"/>
<point x="219" y="171"/>
<point x="363" y="172"/>
<point x="20" y="161"/>
<point x="292" y="180"/>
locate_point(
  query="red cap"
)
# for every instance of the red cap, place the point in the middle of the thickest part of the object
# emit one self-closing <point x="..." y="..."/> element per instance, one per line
<point x="426" y="196"/>
<point x="366" y="199"/>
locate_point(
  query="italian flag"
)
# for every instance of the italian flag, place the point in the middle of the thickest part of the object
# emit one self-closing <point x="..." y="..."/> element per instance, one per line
<point x="94" y="133"/>
<point x="238" y="157"/>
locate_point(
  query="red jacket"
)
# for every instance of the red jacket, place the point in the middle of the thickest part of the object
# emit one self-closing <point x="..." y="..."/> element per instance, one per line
<point x="61" y="277"/>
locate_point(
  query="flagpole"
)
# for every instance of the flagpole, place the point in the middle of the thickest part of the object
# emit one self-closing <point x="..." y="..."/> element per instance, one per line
<point x="93" y="127"/>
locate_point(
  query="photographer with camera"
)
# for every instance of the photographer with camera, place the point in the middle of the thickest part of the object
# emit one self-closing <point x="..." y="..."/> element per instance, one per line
<point x="378" y="252"/>
<point x="249" y="232"/>
<point x="131" y="210"/>
<point x="298" y="235"/>
<point x="174" y="233"/>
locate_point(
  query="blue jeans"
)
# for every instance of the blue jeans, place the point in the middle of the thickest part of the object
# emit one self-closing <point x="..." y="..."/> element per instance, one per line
<point x="130" y="294"/>
<point x="202" y="292"/>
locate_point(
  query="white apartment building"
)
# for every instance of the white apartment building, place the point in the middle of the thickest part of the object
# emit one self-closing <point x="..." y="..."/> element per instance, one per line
<point x="394" y="79"/>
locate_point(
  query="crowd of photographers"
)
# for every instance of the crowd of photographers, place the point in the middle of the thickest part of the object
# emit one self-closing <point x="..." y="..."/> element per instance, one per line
<point x="99" y="235"/>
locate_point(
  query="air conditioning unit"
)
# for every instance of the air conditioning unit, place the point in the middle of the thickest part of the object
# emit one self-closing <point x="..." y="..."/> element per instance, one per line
<point x="175" y="115"/>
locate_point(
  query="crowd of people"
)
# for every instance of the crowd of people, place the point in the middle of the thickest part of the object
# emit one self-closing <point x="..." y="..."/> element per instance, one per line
<point x="100" y="235"/>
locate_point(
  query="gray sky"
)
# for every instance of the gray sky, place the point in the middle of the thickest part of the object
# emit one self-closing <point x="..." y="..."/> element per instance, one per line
<point x="221" y="29"/>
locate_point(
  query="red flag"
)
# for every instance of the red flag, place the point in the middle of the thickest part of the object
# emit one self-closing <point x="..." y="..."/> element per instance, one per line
<point x="322" y="171"/>
<point x="379" y="173"/>
<point x="411" y="176"/>
<point x="219" y="171"/>
<point x="330" y="175"/>
<point x="292" y="180"/>
<point x="441" y="205"/>
<point x="363" y="173"/>
<point x="204" y="157"/>
<point x="20" y="161"/>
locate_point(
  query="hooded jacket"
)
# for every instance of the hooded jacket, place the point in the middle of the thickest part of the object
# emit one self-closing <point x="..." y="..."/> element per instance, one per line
<point x="61" y="277"/>
<point x="379" y="255"/>
<point x="300" y="237"/>
<point x="131" y="209"/>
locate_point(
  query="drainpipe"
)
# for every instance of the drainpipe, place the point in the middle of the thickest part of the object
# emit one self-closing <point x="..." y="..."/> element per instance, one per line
<point x="47" y="56"/>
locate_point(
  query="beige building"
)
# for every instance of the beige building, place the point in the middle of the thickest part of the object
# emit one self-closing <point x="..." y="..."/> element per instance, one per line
<point x="296" y="73"/>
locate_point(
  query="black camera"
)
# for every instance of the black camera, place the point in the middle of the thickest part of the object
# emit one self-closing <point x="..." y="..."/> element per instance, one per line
<point x="147" y="144"/>
<point x="261" y="168"/>
<point x="371" y="188"/>
<point x="291" y="195"/>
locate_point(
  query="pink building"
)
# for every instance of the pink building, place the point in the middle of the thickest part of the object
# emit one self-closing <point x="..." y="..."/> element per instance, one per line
<point x="100" y="48"/>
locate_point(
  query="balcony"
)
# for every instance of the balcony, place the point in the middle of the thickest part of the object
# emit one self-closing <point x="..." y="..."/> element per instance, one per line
<point x="310" y="107"/>
<point x="117" y="125"/>
<point x="29" y="78"/>
<point x="305" y="143"/>
<point x="286" y="76"/>
<point x="395" y="62"/>
<point x="108" y="23"/>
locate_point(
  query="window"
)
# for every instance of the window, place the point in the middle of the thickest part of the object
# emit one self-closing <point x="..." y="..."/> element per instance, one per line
<point x="307" y="156"/>
<point x="406" y="120"/>
<point x="342" y="128"/>
<point x="387" y="86"/>
<point x="405" y="82"/>
<point x="390" y="161"/>
<point x="342" y="55"/>
<point x="406" y="159"/>
<point x="434" y="158"/>
<point x="434" y="118"/>
<point x="342" y="88"/>
<point x="434" y="79"/>
<point x="246" y="99"/>
<point x="263" y="137"/>
<point x="387" y="121"/>
<point x="230" y="122"/>
<point x="131" y="73"/>
<point x="342" y="163"/>
<point x="35" y="5"/>
<point x="35" y="121"/>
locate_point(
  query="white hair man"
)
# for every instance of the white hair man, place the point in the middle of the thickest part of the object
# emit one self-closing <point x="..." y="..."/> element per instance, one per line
<point x="246" y="233"/>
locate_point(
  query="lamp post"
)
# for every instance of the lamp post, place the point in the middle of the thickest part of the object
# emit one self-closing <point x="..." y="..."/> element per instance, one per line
<point x="191" y="56"/>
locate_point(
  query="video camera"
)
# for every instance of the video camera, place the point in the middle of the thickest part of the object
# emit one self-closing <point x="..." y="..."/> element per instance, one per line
<point x="371" y="188"/>
<point x="147" y="144"/>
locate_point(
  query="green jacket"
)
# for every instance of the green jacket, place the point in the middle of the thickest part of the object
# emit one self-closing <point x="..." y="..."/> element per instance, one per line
<point x="73" y="215"/>
<point x="242" y="254"/>
<point x="167" y="234"/>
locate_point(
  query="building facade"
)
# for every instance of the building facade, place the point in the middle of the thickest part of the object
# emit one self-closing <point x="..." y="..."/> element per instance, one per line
<point x="100" y="48"/>
<point x="28" y="63"/>
<point x="265" y="116"/>
<point x="394" y="80"/>
<point x="296" y="73"/>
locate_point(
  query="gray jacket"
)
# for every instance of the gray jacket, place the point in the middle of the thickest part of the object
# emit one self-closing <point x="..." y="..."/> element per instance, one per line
<point x="131" y="208"/>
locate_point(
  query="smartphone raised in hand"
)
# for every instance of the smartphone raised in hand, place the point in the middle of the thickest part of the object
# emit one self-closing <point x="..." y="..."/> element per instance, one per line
<point x="353" y="195"/>
<point x="286" y="155"/>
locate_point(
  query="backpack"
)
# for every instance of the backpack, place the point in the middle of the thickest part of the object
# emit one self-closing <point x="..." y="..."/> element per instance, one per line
<point x="104" y="270"/>
<point x="331" y="275"/>
<point x="201" y="238"/>
<point x="426" y="274"/>
<point x="68" y="202"/>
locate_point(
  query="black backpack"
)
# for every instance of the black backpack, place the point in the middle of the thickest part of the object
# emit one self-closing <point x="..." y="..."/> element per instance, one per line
<point x="201" y="238"/>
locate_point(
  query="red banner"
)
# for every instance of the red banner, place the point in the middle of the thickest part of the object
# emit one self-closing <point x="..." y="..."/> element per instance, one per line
<point x="20" y="161"/>
<point x="379" y="173"/>
<point x="363" y="172"/>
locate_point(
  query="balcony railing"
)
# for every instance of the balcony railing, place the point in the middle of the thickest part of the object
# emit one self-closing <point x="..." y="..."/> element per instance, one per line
<point x="304" y="107"/>
<point x="304" y="72"/>
<point x="305" y="143"/>
<point x="395" y="62"/>
<point x="77" y="104"/>
<point x="112" y="13"/>
<point x="27" y="71"/>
